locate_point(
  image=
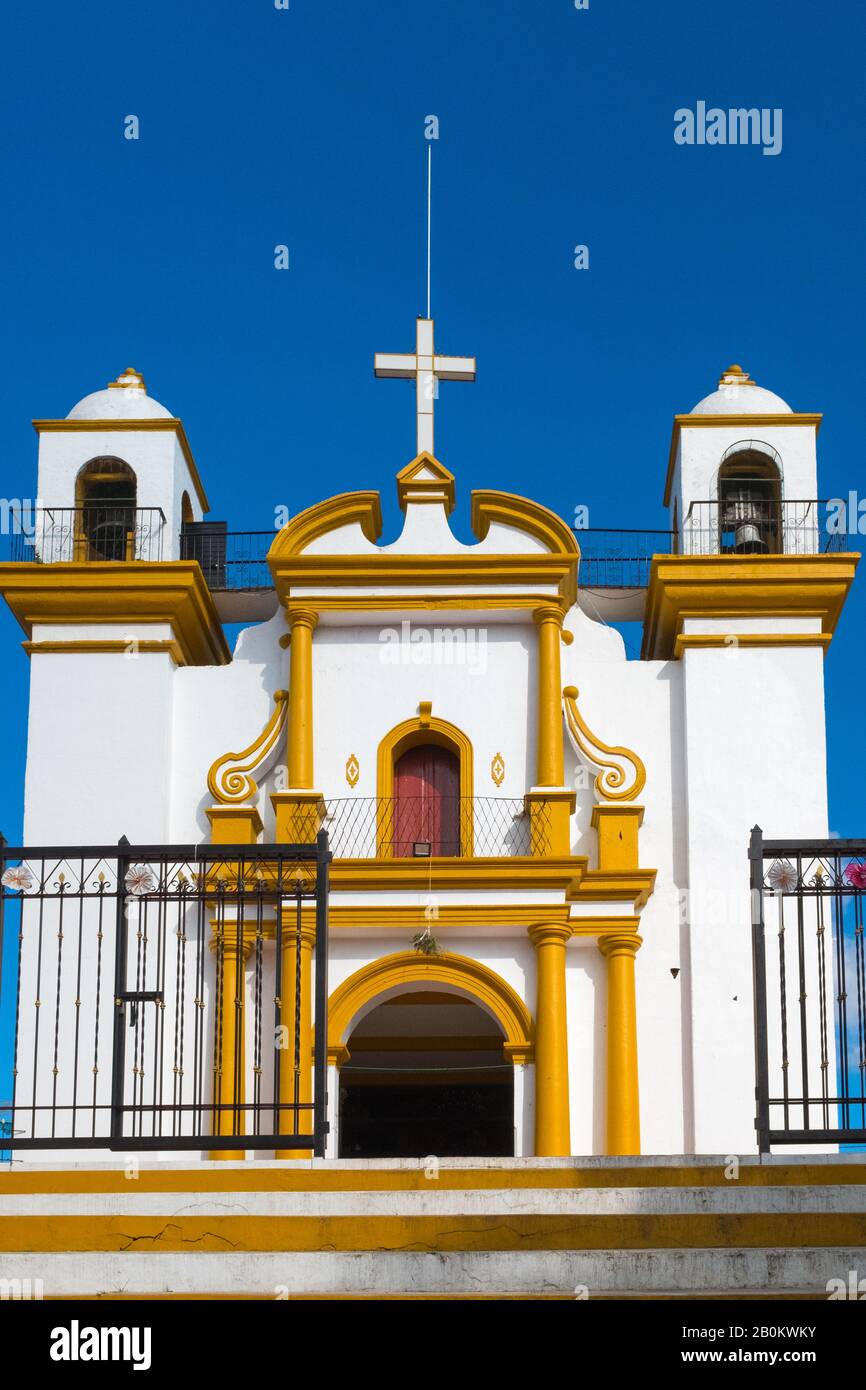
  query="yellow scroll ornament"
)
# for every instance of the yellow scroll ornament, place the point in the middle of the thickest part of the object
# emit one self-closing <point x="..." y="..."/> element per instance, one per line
<point x="229" y="780"/>
<point x="614" y="782"/>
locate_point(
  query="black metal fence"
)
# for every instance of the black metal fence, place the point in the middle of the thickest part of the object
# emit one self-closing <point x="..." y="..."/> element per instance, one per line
<point x="160" y="996"/>
<point x="96" y="531"/>
<point x="406" y="827"/>
<point x="809" y="990"/>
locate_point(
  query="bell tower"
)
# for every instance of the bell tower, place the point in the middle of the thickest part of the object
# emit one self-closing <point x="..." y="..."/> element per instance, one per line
<point x="116" y="479"/>
<point x="742" y="474"/>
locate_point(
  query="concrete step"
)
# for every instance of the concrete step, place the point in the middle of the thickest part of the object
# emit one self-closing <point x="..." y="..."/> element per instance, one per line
<point x="391" y="1229"/>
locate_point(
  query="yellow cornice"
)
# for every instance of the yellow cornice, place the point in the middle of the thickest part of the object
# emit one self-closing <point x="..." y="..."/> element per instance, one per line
<point x="369" y="603"/>
<point x="421" y="573"/>
<point x="749" y="422"/>
<point x="406" y="917"/>
<point x="133" y="426"/>
<point x="120" y="592"/>
<point x="614" y="885"/>
<point x="598" y="927"/>
<point x="741" y="586"/>
<point x="115" y="647"/>
<point x="381" y="875"/>
<point x="685" y="640"/>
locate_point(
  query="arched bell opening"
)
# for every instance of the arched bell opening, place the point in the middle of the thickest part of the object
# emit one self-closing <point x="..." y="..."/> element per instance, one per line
<point x="105" y="510"/>
<point x="750" y="501"/>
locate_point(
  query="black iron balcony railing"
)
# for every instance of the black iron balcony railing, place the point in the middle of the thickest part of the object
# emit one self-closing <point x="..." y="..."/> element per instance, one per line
<point x="743" y="525"/>
<point x="110" y="531"/>
<point x="619" y="559"/>
<point x="230" y="560"/>
<point x="369" y="827"/>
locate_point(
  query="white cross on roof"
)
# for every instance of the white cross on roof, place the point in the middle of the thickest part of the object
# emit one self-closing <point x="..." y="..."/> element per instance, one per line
<point x="428" y="370"/>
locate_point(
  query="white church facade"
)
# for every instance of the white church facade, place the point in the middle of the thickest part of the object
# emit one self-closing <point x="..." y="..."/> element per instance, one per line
<point x="539" y="919"/>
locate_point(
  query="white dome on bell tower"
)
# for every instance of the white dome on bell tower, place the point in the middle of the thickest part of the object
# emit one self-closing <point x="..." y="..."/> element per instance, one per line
<point x="738" y="394"/>
<point x="123" y="399"/>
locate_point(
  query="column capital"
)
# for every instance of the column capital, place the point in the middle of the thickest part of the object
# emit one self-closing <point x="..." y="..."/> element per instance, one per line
<point x="302" y="617"/>
<point x="549" y="934"/>
<point x="619" y="944"/>
<point x="548" y="613"/>
<point x="290" y="932"/>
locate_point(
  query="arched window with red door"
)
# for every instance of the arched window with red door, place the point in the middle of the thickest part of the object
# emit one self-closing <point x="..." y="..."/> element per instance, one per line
<point x="426" y="812"/>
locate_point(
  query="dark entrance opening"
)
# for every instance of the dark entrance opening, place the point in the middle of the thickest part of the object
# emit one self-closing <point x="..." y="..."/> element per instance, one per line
<point x="426" y="1075"/>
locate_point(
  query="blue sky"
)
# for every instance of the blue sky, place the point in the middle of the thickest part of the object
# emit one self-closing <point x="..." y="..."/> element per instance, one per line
<point x="304" y="126"/>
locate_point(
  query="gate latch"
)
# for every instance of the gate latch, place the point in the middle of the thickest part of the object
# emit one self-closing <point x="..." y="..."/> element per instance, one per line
<point x="151" y="996"/>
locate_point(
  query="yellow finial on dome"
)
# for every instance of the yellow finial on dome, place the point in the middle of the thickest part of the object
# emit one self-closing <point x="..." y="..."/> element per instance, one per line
<point x="735" y="376"/>
<point x="129" y="378"/>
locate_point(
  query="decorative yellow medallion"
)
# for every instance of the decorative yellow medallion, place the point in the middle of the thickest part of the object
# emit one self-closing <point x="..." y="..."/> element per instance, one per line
<point x="353" y="770"/>
<point x="497" y="769"/>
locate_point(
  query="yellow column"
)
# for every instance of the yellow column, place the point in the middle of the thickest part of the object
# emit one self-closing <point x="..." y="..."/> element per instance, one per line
<point x="623" y="1100"/>
<point x="230" y="1066"/>
<point x="550" y="810"/>
<point x="552" y="1129"/>
<point x="296" y="1085"/>
<point x="303" y="622"/>
<point x="231" y="825"/>
<point x="548" y="620"/>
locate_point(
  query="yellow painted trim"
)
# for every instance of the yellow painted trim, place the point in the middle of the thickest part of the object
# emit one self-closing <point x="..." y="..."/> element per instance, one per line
<point x="732" y="640"/>
<point x="186" y="1231"/>
<point x="130" y="427"/>
<point x="568" y="1174"/>
<point x="122" y="591"/>
<point x="324" y="517"/>
<point x="228" y="779"/>
<point x="611" y="782"/>
<point x="412" y="488"/>
<point x="750" y="422"/>
<point x="424" y="728"/>
<point x="460" y="973"/>
<point x="117" y="646"/>
<point x="748" y="586"/>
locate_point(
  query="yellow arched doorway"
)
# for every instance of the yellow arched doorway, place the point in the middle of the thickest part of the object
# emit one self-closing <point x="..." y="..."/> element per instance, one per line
<point x="428" y="1049"/>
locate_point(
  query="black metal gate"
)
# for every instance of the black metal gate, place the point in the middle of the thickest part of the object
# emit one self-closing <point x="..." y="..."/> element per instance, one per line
<point x="809" y="989"/>
<point x="167" y="997"/>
